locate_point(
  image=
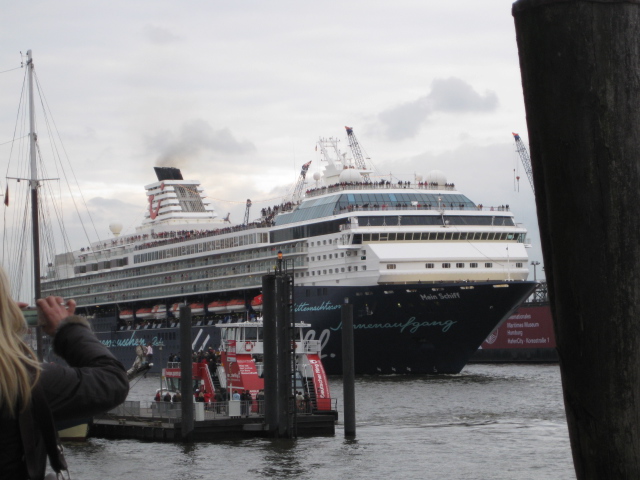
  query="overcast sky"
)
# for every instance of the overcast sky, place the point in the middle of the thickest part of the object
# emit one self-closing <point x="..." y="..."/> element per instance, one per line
<point x="236" y="94"/>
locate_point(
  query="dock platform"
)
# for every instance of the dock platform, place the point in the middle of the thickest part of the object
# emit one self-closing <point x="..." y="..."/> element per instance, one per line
<point x="161" y="422"/>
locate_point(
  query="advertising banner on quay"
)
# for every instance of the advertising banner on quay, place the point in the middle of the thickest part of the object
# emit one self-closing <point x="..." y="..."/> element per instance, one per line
<point x="528" y="327"/>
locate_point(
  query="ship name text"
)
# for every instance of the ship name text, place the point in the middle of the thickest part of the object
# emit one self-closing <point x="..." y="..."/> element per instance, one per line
<point x="411" y="325"/>
<point x="132" y="342"/>
<point x="324" y="306"/>
<point x="440" y="296"/>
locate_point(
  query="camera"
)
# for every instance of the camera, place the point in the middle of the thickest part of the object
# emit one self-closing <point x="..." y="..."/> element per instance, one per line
<point x="31" y="316"/>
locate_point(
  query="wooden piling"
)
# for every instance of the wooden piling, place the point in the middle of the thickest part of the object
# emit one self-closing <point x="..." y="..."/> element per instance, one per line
<point x="186" y="374"/>
<point x="348" y="370"/>
<point x="579" y="62"/>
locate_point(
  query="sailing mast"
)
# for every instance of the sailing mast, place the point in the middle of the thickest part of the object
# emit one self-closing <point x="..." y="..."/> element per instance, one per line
<point x="33" y="184"/>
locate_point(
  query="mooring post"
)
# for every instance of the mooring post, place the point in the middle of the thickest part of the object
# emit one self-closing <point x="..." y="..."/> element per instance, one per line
<point x="271" y="406"/>
<point x="348" y="370"/>
<point x="186" y="374"/>
<point x="284" y="358"/>
<point x="579" y="63"/>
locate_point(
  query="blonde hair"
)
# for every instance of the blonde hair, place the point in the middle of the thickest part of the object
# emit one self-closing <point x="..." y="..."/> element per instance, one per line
<point x="19" y="369"/>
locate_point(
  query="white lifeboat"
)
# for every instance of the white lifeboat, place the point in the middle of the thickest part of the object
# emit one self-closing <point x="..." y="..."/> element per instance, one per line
<point x="218" y="306"/>
<point x="144" y="313"/>
<point x="175" y="309"/>
<point x="197" y="308"/>
<point x="126" y="314"/>
<point x="256" y="303"/>
<point x="159" y="312"/>
<point x="235" y="305"/>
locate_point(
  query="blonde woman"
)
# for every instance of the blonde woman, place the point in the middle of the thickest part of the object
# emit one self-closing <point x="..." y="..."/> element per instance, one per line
<point x="93" y="382"/>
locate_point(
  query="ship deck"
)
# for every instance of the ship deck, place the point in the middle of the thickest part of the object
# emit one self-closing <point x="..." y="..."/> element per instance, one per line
<point x="162" y="422"/>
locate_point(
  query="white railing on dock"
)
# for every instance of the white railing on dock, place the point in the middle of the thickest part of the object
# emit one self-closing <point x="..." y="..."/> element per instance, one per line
<point x="172" y="412"/>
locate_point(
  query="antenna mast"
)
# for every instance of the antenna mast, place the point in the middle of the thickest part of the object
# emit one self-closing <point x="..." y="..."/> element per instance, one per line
<point x="33" y="184"/>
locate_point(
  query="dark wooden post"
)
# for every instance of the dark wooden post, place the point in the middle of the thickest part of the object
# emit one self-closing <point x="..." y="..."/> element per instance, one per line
<point x="270" y="334"/>
<point x="186" y="374"/>
<point x="579" y="62"/>
<point x="348" y="370"/>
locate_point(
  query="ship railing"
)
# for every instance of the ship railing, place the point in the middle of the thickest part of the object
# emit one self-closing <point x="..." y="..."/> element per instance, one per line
<point x="130" y="408"/>
<point x="419" y="207"/>
<point x="170" y="412"/>
<point x="377" y="186"/>
<point x="179" y="238"/>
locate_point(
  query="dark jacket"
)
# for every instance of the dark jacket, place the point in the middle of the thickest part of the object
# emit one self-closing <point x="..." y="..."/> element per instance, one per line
<point x="93" y="382"/>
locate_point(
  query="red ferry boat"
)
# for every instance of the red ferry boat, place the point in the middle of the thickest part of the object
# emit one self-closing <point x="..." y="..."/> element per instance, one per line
<point x="241" y="368"/>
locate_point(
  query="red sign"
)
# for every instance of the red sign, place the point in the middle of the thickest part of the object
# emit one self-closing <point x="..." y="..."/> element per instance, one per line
<point x="528" y="327"/>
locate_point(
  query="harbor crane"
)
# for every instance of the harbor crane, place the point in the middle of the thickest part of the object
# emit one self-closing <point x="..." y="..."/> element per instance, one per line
<point x="524" y="156"/>
<point x="300" y="184"/>
<point x="357" y="152"/>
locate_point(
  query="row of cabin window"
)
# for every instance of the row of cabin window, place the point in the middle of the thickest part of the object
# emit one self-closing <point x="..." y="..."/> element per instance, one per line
<point x="335" y="255"/>
<point x="413" y="236"/>
<point x="331" y="271"/>
<point x="392" y="266"/>
<point x="324" y="242"/>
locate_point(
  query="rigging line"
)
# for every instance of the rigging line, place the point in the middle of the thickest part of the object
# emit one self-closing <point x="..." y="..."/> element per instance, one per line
<point x="12" y="69"/>
<point x="44" y="102"/>
<point x="20" y="244"/>
<point x="46" y="186"/>
<point x="59" y="213"/>
<point x="11" y="141"/>
<point x="21" y="104"/>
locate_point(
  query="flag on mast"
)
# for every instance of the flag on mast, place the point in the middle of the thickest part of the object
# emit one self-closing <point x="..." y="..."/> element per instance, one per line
<point x="6" y="196"/>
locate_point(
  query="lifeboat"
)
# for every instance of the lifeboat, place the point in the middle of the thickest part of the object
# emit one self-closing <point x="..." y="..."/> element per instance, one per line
<point x="256" y="303"/>
<point x="236" y="305"/>
<point x="144" y="313"/>
<point x="126" y="314"/>
<point x="159" y="312"/>
<point x="219" y="306"/>
<point x="197" y="308"/>
<point x="175" y="309"/>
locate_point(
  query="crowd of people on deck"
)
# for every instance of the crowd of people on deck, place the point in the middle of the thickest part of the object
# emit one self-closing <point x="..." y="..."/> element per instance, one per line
<point x="379" y="184"/>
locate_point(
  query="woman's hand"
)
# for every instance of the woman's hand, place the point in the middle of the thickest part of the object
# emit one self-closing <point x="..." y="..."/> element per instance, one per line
<point x="52" y="310"/>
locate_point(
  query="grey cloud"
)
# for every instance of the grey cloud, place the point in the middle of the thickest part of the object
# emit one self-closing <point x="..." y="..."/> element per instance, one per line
<point x="195" y="137"/>
<point x="404" y="120"/>
<point x="160" y="35"/>
<point x="447" y="95"/>
<point x="105" y="210"/>
<point x="455" y="95"/>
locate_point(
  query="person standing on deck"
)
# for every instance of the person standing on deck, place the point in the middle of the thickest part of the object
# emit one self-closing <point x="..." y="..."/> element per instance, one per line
<point x="149" y="353"/>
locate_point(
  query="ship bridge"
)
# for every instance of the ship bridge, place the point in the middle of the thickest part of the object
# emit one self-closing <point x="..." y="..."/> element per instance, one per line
<point x="330" y="205"/>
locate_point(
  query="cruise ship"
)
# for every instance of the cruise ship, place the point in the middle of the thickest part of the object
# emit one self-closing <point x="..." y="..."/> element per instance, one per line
<point x="430" y="273"/>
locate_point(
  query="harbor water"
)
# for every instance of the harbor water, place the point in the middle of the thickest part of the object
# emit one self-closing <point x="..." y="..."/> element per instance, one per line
<point x="488" y="422"/>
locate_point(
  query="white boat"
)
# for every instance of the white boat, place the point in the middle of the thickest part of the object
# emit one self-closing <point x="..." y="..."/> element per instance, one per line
<point x="159" y="312"/>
